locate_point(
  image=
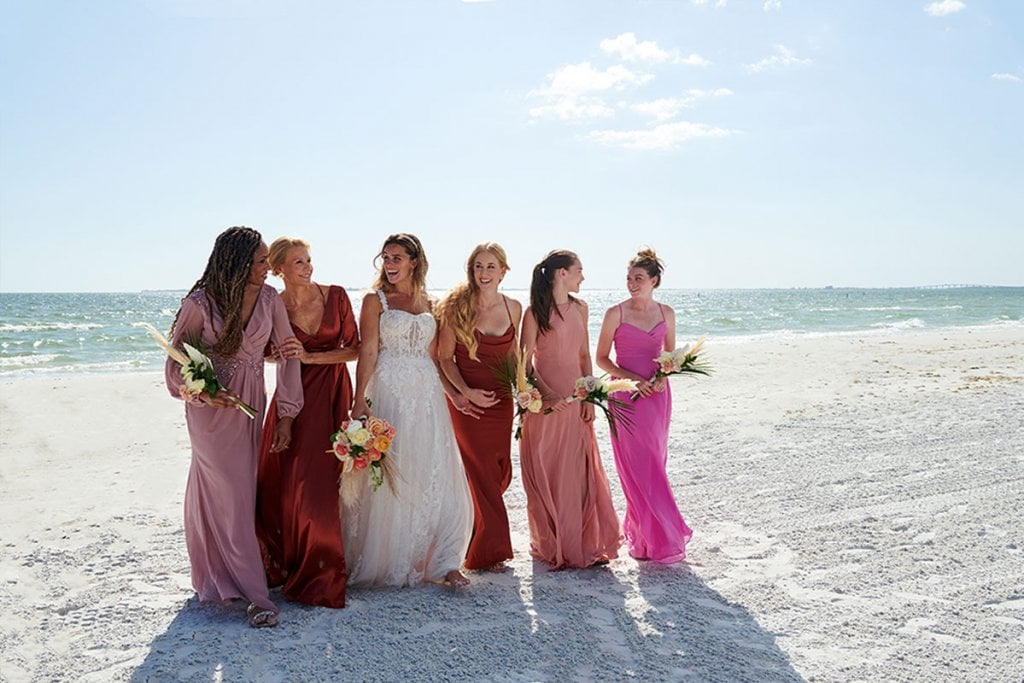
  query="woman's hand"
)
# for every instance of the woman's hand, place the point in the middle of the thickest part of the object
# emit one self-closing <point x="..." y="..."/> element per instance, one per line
<point x="645" y="387"/>
<point x="292" y="348"/>
<point x="587" y="411"/>
<point x="554" y="404"/>
<point x="465" y="406"/>
<point x="282" y="435"/>
<point x="660" y="384"/>
<point x="479" y="397"/>
<point x="360" y="409"/>
<point x="223" y="399"/>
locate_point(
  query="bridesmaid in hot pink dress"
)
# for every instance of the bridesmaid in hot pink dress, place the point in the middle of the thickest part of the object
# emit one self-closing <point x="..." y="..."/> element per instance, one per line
<point x="640" y="328"/>
<point x="232" y="313"/>
<point x="568" y="502"/>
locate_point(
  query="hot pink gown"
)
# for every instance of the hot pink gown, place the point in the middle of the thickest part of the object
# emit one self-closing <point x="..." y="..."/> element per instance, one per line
<point x="568" y="502"/>
<point x="220" y="496"/>
<point x="654" y="528"/>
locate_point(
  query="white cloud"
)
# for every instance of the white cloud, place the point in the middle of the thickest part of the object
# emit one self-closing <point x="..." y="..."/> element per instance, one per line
<point x="665" y="136"/>
<point x="770" y="5"/>
<point x="574" y="79"/>
<point x="573" y="109"/>
<point x="783" y="57"/>
<point x="944" y="7"/>
<point x="666" y="108"/>
<point x="570" y="91"/>
<point x="627" y="47"/>
<point x="718" y="3"/>
<point x="1008" y="77"/>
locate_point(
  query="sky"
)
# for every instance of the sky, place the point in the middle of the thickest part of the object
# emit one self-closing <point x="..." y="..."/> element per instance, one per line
<point x="752" y="143"/>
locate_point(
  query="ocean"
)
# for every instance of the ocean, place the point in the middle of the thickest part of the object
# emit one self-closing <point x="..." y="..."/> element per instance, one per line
<point x="98" y="333"/>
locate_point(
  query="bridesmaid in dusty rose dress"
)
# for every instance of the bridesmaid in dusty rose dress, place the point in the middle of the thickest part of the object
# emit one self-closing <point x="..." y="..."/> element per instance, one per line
<point x="640" y="328"/>
<point x="478" y="325"/>
<point x="568" y="502"/>
<point x="297" y="515"/>
<point x="232" y="313"/>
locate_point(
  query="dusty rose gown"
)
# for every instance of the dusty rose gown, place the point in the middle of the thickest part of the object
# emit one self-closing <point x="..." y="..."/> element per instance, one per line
<point x="568" y="502"/>
<point x="220" y="496"/>
<point x="654" y="528"/>
<point x="297" y="519"/>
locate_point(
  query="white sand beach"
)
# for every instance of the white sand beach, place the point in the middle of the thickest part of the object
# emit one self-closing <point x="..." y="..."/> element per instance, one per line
<point x="856" y="502"/>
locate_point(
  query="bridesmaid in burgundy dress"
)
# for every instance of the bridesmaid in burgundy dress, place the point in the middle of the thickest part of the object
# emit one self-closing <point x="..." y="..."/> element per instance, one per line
<point x="232" y="313"/>
<point x="298" y="521"/>
<point x="478" y="329"/>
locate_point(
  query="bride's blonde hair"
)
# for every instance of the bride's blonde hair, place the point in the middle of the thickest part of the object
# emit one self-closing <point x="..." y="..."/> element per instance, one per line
<point x="458" y="309"/>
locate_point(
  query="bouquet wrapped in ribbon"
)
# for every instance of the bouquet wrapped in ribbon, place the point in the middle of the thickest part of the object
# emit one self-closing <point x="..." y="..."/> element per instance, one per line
<point x="197" y="371"/>
<point x="361" y="444"/>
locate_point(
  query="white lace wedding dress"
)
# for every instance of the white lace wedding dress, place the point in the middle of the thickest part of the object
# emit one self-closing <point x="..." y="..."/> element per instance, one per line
<point x="422" y="534"/>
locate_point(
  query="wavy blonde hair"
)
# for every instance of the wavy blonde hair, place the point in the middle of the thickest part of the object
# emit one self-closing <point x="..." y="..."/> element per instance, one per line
<point x="411" y="244"/>
<point x="458" y="309"/>
<point x="279" y="249"/>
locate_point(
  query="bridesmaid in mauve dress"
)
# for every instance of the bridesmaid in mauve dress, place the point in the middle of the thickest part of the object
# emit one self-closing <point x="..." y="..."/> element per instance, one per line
<point x="568" y="502"/>
<point x="232" y="313"/>
<point x="478" y="326"/>
<point x="297" y="518"/>
<point x="640" y="328"/>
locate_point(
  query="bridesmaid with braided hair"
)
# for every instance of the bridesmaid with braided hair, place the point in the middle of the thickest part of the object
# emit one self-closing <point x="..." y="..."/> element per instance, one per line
<point x="568" y="500"/>
<point x="232" y="313"/>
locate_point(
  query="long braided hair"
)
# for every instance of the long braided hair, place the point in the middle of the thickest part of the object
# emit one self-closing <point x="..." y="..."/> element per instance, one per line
<point x="224" y="281"/>
<point x="458" y="309"/>
<point x="542" y="298"/>
<point x="411" y="244"/>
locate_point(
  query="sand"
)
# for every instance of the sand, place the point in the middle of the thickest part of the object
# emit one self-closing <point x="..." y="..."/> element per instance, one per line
<point x="856" y="502"/>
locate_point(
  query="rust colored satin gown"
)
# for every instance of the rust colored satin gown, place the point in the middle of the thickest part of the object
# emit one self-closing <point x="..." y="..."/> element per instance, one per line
<point x="297" y="512"/>
<point x="486" y="448"/>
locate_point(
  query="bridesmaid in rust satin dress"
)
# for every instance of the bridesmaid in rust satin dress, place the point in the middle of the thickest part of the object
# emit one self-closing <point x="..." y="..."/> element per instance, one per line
<point x="478" y="331"/>
<point x="298" y="520"/>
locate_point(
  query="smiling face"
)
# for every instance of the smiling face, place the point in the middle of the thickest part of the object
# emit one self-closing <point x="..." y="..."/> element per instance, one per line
<point x="397" y="266"/>
<point x="639" y="283"/>
<point x="487" y="271"/>
<point x="574" y="277"/>
<point x="260" y="265"/>
<point x="297" y="267"/>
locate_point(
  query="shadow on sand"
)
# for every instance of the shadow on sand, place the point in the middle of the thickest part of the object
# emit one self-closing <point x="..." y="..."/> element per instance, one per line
<point x="623" y="622"/>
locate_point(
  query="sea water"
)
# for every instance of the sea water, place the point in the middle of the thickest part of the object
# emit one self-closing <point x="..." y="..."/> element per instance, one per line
<point x="90" y="332"/>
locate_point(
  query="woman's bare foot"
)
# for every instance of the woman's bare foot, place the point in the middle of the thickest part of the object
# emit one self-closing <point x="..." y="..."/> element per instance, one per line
<point x="497" y="568"/>
<point x="456" y="579"/>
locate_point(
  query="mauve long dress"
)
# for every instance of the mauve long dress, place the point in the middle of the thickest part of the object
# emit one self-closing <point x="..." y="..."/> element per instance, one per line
<point x="220" y="496"/>
<point x="568" y="501"/>
<point x="654" y="528"/>
<point x="297" y="519"/>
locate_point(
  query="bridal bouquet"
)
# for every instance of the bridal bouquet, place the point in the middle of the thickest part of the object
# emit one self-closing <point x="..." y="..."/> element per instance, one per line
<point x="197" y="371"/>
<point x="687" y="359"/>
<point x="527" y="397"/>
<point x="598" y="390"/>
<point x="362" y="444"/>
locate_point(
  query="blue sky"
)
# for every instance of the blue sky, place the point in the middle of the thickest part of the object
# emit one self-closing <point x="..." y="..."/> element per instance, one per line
<point x="752" y="143"/>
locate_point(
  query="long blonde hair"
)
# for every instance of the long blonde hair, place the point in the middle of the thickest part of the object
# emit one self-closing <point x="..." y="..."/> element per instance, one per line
<point x="458" y="309"/>
<point x="411" y="244"/>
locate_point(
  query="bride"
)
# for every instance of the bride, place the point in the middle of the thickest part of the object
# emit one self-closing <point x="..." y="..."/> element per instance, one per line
<point x="420" y="535"/>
